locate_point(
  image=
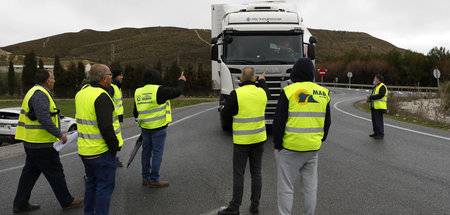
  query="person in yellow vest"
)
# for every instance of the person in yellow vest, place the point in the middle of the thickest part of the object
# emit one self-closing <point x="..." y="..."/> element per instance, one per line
<point x="115" y="91"/>
<point x="246" y="108"/>
<point x="99" y="139"/>
<point x="153" y="113"/>
<point x="38" y="128"/>
<point x="301" y="123"/>
<point x="378" y="106"/>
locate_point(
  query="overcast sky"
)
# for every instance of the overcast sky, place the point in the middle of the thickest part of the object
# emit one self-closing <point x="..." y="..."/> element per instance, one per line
<point x="414" y="25"/>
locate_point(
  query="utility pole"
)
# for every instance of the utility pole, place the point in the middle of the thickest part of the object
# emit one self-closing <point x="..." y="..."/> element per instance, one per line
<point x="112" y="52"/>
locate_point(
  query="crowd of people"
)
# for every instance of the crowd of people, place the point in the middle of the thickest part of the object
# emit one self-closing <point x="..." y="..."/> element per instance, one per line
<point x="301" y="124"/>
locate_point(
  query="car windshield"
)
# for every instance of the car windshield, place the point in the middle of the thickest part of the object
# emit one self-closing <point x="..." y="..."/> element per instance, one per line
<point x="10" y="116"/>
<point x="263" y="49"/>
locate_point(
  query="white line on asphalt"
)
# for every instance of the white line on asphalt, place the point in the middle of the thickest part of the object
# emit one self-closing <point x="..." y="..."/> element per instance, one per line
<point x="393" y="126"/>
<point x="214" y="211"/>
<point x="126" y="139"/>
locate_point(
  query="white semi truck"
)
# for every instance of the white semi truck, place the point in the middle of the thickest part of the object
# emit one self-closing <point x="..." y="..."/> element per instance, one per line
<point x="268" y="36"/>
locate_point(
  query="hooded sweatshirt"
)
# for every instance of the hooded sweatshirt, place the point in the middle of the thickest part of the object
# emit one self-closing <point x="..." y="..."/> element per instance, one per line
<point x="302" y="71"/>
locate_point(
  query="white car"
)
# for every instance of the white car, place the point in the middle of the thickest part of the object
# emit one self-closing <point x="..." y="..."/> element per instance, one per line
<point x="9" y="118"/>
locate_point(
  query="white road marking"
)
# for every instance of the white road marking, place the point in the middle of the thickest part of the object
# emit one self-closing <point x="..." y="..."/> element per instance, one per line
<point x="214" y="211"/>
<point x="393" y="126"/>
<point x="126" y="139"/>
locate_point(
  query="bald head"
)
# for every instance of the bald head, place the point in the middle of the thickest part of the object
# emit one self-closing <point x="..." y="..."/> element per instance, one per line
<point x="100" y="73"/>
<point x="248" y="74"/>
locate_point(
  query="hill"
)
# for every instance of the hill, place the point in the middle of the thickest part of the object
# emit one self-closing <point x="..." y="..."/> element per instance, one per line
<point x="148" y="45"/>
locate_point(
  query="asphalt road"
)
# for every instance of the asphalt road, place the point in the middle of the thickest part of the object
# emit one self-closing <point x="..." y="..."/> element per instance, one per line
<point x="406" y="173"/>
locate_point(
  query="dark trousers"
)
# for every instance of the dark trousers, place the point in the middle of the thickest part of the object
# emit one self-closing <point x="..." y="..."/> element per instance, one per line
<point x="46" y="161"/>
<point x="377" y="122"/>
<point x="100" y="182"/>
<point x="241" y="153"/>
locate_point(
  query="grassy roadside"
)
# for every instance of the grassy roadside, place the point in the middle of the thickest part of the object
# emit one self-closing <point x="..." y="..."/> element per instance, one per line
<point x="67" y="106"/>
<point x="406" y="118"/>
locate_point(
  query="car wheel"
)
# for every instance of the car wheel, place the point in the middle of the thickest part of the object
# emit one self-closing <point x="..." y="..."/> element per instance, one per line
<point x="73" y="128"/>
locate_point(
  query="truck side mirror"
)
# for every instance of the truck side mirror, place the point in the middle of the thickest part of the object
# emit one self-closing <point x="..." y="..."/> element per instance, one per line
<point x="215" y="52"/>
<point x="312" y="39"/>
<point x="214" y="40"/>
<point x="311" y="51"/>
<point x="312" y="47"/>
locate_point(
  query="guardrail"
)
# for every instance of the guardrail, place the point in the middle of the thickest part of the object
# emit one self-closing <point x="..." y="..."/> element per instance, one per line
<point x="390" y="87"/>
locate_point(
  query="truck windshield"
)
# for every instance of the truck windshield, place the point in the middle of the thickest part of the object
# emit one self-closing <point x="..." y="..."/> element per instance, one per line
<point x="263" y="49"/>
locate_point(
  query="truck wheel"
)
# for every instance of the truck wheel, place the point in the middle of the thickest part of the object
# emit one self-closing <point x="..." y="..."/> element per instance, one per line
<point x="226" y="126"/>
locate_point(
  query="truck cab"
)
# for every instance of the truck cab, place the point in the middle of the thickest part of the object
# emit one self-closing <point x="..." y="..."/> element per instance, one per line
<point x="268" y="36"/>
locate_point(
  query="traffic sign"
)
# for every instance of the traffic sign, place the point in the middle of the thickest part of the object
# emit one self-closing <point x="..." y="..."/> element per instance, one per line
<point x="349" y="74"/>
<point x="436" y="73"/>
<point x="322" y="72"/>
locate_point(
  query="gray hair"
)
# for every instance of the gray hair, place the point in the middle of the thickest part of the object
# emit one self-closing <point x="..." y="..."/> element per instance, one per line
<point x="97" y="72"/>
<point x="248" y="74"/>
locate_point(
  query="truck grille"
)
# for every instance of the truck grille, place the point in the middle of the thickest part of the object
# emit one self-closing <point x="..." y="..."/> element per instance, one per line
<point x="274" y="83"/>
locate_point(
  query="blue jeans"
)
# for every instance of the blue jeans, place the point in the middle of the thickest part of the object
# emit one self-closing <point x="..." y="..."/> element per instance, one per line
<point x="101" y="176"/>
<point x="152" y="147"/>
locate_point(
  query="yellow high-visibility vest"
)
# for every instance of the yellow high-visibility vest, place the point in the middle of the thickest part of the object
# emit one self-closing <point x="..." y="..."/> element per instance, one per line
<point x="249" y="124"/>
<point x="117" y="99"/>
<point x="380" y="103"/>
<point x="151" y="115"/>
<point x="90" y="140"/>
<point x="32" y="131"/>
<point x="306" y="118"/>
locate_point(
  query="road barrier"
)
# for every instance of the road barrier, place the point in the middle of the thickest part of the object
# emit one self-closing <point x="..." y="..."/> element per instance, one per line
<point x="390" y="87"/>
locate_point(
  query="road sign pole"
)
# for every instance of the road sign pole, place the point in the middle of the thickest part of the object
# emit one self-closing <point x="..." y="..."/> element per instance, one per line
<point x="349" y="83"/>
<point x="437" y="81"/>
<point x="321" y="80"/>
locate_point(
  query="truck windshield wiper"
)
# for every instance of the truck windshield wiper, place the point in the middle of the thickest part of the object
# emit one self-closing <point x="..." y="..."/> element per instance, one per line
<point x="245" y="62"/>
<point x="277" y="62"/>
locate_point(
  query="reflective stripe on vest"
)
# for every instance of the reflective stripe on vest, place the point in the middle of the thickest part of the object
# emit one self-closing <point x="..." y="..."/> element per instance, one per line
<point x="306" y="116"/>
<point x="117" y="99"/>
<point x="32" y="131"/>
<point x="249" y="124"/>
<point x="151" y="115"/>
<point x="380" y="103"/>
<point x="90" y="140"/>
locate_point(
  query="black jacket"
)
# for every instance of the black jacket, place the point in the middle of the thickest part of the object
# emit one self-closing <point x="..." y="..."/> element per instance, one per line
<point x="280" y="119"/>
<point x="163" y="94"/>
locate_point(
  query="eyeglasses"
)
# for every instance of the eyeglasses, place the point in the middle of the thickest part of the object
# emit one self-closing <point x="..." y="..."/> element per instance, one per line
<point x="110" y="74"/>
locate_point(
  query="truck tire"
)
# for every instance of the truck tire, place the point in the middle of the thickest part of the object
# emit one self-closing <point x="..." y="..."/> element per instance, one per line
<point x="226" y="126"/>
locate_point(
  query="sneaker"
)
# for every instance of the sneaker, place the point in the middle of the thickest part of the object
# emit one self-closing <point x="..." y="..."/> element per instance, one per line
<point x="372" y="135"/>
<point x="229" y="211"/>
<point x="76" y="202"/>
<point x="29" y="207"/>
<point x="159" y="184"/>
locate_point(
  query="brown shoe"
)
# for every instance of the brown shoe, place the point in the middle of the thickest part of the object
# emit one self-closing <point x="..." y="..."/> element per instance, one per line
<point x="145" y="182"/>
<point x="76" y="202"/>
<point x="159" y="184"/>
<point x="29" y="207"/>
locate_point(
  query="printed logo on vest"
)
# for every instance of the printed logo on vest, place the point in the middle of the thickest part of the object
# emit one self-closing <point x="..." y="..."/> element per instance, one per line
<point x="303" y="97"/>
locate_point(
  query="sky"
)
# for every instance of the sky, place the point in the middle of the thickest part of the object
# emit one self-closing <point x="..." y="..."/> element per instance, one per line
<point x="410" y="24"/>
